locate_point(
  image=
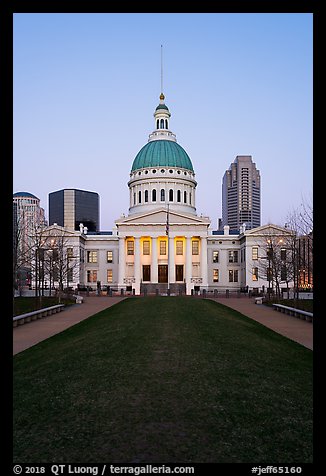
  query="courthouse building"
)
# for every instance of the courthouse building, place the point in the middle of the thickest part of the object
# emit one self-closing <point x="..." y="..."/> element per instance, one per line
<point x="162" y="243"/>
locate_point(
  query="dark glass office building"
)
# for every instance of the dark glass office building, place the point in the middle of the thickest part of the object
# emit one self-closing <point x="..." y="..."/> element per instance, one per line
<point x="70" y="207"/>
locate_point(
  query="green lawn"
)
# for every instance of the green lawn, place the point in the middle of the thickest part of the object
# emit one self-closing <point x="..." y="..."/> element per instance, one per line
<point x="164" y="380"/>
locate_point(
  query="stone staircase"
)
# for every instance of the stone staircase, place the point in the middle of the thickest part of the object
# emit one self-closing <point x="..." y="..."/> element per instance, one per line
<point x="151" y="288"/>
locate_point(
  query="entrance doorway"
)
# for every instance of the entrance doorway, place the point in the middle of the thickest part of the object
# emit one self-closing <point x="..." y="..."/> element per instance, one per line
<point x="162" y="273"/>
<point x="179" y="272"/>
<point x="146" y="272"/>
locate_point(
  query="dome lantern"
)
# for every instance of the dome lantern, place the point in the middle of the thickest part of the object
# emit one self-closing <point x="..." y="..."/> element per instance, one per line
<point x="162" y="172"/>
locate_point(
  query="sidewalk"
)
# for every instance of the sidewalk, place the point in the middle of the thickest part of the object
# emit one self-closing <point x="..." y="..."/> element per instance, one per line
<point x="27" y="335"/>
<point x="295" y="329"/>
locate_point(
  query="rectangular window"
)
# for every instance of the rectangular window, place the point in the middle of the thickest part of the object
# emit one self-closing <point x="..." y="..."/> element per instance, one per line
<point x="215" y="256"/>
<point x="215" y="275"/>
<point x="55" y="273"/>
<point x="109" y="256"/>
<point x="233" y="256"/>
<point x="70" y="276"/>
<point x="255" y="252"/>
<point x="162" y="248"/>
<point x="270" y="253"/>
<point x="70" y="252"/>
<point x="92" y="256"/>
<point x="283" y="254"/>
<point x="195" y="247"/>
<point x="91" y="276"/>
<point x="233" y="275"/>
<point x="130" y="247"/>
<point x="283" y="273"/>
<point x="146" y="247"/>
<point x="109" y="276"/>
<point x="179" y="247"/>
<point x="255" y="274"/>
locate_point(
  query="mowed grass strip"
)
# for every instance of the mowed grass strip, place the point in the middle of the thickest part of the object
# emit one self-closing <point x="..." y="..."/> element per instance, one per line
<point x="164" y="380"/>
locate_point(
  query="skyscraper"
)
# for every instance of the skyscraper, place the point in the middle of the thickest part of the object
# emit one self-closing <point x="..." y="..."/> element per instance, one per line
<point x="28" y="216"/>
<point x="70" y="207"/>
<point x="241" y="194"/>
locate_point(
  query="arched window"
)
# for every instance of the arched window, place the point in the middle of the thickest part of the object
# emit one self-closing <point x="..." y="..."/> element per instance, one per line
<point x="171" y="195"/>
<point x="162" y="195"/>
<point x="162" y="124"/>
<point x="134" y="198"/>
<point x="190" y="198"/>
<point x="166" y="124"/>
<point x="139" y="196"/>
<point x="146" y="196"/>
<point x="154" y="195"/>
<point x="185" y="196"/>
<point x="178" y="196"/>
<point x="157" y="124"/>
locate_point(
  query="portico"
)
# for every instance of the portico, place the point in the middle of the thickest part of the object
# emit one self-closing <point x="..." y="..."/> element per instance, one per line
<point x="148" y="256"/>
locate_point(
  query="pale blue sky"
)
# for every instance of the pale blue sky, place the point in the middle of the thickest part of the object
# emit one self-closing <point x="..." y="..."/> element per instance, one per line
<point x="86" y="87"/>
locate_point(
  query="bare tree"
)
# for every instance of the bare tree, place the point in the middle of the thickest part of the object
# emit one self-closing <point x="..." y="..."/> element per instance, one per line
<point x="275" y="265"/>
<point x="300" y="222"/>
<point x="59" y="265"/>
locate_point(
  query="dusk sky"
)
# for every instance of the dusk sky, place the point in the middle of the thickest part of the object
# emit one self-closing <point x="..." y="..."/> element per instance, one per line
<point x="86" y="87"/>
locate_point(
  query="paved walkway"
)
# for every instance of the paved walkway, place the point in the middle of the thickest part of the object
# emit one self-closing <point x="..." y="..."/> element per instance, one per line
<point x="289" y="326"/>
<point x="27" y="335"/>
<point x="32" y="333"/>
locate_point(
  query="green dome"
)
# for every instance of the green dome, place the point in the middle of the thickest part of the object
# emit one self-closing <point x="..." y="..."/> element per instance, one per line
<point x="162" y="153"/>
<point x="162" y="106"/>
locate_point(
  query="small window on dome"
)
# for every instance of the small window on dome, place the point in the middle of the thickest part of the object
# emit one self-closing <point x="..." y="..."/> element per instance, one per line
<point x="178" y="172"/>
<point x="146" y="172"/>
<point x="139" y="173"/>
<point x="153" y="171"/>
<point x="162" y="195"/>
<point x="185" y="173"/>
<point x="162" y="171"/>
<point x="171" y="171"/>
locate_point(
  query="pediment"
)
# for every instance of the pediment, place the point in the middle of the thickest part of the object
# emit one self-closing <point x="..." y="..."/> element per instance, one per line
<point x="269" y="229"/>
<point x="57" y="230"/>
<point x="159" y="217"/>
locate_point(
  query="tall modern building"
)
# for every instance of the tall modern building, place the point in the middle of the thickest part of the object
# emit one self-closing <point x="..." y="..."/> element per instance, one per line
<point x="71" y="207"/>
<point x="28" y="216"/>
<point x="241" y="202"/>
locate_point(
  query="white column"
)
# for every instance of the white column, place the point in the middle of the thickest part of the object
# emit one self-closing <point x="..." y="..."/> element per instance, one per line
<point x="203" y="260"/>
<point x="154" y="267"/>
<point x="188" y="265"/>
<point x="171" y="260"/>
<point x="137" y="269"/>
<point x="122" y="261"/>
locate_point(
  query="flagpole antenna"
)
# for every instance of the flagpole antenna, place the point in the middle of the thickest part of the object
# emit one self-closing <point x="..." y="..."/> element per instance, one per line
<point x="161" y="68"/>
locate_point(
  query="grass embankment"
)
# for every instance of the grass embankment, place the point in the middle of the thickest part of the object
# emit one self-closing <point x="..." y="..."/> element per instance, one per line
<point x="21" y="305"/>
<point x="163" y="380"/>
